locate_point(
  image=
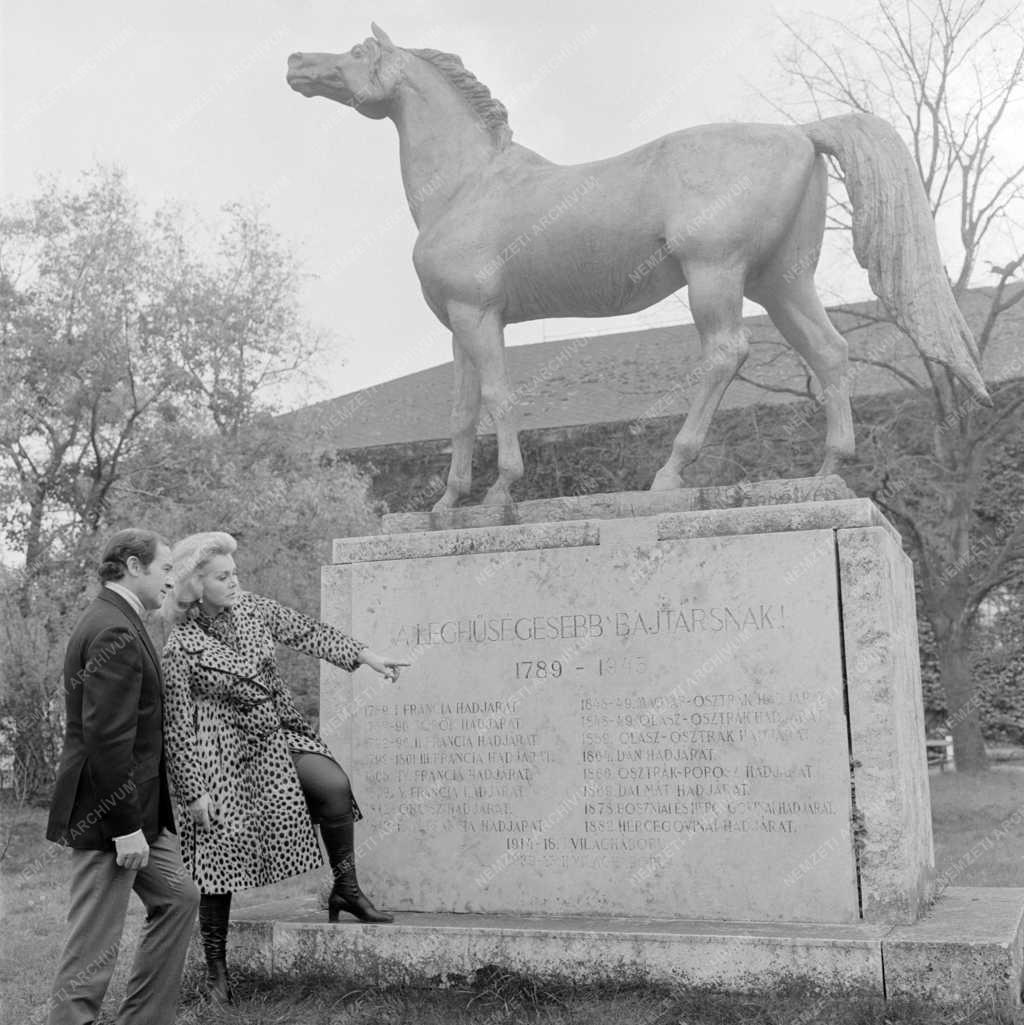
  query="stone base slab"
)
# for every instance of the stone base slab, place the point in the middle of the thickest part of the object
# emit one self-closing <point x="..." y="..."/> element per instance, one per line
<point x="967" y="951"/>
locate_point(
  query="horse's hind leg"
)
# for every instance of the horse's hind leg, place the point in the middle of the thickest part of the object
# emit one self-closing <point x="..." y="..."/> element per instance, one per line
<point x="796" y="311"/>
<point x="716" y="301"/>
<point x="465" y="411"/>
<point x="785" y="288"/>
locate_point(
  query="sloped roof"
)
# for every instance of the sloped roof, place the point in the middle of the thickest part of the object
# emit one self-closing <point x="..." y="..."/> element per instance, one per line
<point x="636" y="375"/>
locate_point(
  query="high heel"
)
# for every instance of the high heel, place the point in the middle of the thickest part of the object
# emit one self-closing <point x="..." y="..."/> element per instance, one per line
<point x="345" y="893"/>
<point x="362" y="907"/>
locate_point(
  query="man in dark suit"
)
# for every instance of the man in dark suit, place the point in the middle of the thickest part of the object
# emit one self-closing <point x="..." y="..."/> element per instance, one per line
<point x="111" y="803"/>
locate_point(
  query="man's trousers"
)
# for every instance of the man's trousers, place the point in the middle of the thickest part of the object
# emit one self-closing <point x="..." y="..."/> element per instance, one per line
<point x="96" y="914"/>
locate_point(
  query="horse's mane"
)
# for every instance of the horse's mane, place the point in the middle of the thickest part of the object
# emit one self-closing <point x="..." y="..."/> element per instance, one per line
<point x="490" y="110"/>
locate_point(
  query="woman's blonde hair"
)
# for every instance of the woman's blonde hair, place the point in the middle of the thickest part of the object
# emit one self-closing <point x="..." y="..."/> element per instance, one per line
<point x="190" y="556"/>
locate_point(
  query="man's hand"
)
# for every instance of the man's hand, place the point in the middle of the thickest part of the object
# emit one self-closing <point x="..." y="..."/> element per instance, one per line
<point x="132" y="850"/>
<point x="389" y="668"/>
<point x="201" y="810"/>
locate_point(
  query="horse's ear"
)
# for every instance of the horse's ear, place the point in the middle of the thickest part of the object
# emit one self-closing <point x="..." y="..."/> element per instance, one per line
<point x="381" y="36"/>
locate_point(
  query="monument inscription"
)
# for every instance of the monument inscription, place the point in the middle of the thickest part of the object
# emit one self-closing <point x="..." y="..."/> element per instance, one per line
<point x="616" y="729"/>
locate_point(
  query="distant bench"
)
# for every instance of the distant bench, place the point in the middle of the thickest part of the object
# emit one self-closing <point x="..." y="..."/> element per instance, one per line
<point x="940" y="752"/>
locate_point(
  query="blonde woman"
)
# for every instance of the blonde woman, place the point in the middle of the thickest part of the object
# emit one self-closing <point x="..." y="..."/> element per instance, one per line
<point x="248" y="769"/>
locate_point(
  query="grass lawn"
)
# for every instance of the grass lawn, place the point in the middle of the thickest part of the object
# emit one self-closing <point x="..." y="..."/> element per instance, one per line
<point x="978" y="826"/>
<point x="979" y="841"/>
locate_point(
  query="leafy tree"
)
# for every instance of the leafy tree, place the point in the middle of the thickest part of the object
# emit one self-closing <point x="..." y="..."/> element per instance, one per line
<point x="79" y="375"/>
<point x="271" y="491"/>
<point x="138" y="375"/>
<point x="112" y="329"/>
<point x="235" y="322"/>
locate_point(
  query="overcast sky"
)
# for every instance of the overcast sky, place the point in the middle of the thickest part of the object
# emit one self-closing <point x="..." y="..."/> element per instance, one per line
<point x="190" y="98"/>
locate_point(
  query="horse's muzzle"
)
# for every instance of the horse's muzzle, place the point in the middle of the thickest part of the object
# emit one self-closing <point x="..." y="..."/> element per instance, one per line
<point x="300" y="82"/>
<point x="298" y="75"/>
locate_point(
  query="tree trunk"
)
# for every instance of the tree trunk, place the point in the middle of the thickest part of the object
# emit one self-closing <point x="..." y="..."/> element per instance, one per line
<point x="35" y="552"/>
<point x="958" y="686"/>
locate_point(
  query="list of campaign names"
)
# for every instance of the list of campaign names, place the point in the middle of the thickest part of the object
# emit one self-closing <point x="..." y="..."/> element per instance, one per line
<point x="626" y="765"/>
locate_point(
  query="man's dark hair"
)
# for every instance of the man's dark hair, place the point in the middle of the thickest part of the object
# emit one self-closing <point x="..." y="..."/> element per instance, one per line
<point x="124" y="544"/>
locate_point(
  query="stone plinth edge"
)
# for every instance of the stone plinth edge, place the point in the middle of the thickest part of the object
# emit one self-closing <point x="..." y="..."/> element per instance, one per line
<point x="614" y="505"/>
<point x="835" y="514"/>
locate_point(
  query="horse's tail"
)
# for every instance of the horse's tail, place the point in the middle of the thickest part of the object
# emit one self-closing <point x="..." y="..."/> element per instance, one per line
<point x="894" y="239"/>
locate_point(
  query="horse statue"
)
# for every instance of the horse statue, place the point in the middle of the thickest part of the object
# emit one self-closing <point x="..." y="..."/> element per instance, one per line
<point x="729" y="210"/>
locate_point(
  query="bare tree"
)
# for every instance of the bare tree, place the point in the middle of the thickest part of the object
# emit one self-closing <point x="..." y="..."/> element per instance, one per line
<point x="950" y="76"/>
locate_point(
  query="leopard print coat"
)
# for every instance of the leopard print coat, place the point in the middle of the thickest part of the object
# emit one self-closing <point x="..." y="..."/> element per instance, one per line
<point x="230" y="724"/>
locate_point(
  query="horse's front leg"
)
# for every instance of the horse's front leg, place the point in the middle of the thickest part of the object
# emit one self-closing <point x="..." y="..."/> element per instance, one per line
<point x="480" y="334"/>
<point x="465" y="411"/>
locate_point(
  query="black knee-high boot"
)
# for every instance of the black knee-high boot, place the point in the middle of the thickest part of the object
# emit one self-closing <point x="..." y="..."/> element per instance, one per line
<point x="214" y="916"/>
<point x="345" y="895"/>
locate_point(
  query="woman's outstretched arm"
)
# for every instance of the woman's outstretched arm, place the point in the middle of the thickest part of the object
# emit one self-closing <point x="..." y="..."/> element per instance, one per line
<point x="309" y="635"/>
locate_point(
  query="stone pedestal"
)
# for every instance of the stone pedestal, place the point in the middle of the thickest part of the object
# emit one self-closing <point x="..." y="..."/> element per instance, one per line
<point x="671" y="737"/>
<point x="638" y="706"/>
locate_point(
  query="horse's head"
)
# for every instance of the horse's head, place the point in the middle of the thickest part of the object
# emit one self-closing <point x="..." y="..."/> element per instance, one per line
<point x="365" y="77"/>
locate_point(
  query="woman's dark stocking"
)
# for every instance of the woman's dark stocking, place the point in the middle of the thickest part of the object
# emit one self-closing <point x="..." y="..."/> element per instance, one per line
<point x="329" y="796"/>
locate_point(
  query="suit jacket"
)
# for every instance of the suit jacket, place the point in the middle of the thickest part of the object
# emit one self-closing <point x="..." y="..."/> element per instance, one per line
<point x="112" y="778"/>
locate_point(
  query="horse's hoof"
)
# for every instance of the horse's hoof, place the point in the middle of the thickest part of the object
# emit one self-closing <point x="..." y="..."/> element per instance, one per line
<point x="666" y="480"/>
<point x="446" y="501"/>
<point x="497" y="495"/>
